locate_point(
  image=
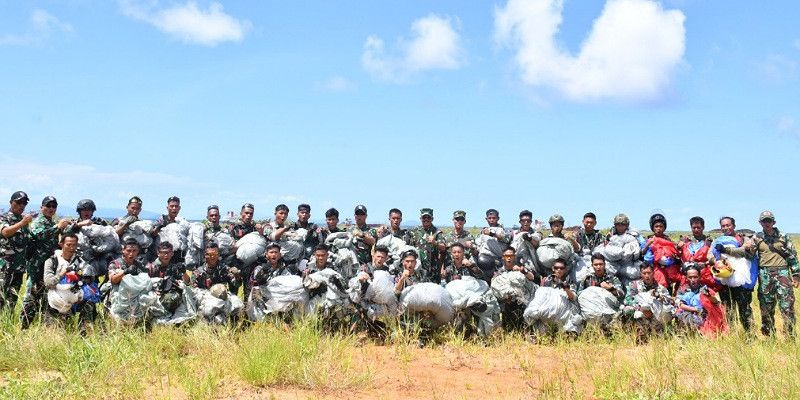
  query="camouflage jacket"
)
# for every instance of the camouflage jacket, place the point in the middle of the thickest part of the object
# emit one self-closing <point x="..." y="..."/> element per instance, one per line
<point x="12" y="249"/>
<point x="553" y="282"/>
<point x="238" y="229"/>
<point x="272" y="226"/>
<point x="158" y="270"/>
<point x="312" y="239"/>
<point x="205" y="276"/>
<point x="451" y="271"/>
<point x="776" y="250"/>
<point x="126" y="220"/>
<point x="589" y="241"/>
<point x="463" y="237"/>
<point x="638" y="286"/>
<point x="593" y="280"/>
<point x="263" y="273"/>
<point x="119" y="265"/>
<point x="44" y="242"/>
<point x="400" y="233"/>
<point x="429" y="252"/>
<point x="362" y="249"/>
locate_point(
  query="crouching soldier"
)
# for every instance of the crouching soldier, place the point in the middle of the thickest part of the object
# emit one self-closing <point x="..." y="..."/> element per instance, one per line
<point x="65" y="266"/>
<point x="640" y="311"/>
<point x="171" y="274"/>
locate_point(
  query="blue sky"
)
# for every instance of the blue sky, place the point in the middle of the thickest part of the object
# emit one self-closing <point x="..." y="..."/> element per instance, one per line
<point x="687" y="107"/>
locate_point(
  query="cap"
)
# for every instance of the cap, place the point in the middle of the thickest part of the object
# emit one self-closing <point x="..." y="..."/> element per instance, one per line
<point x="556" y="218"/>
<point x="459" y="214"/>
<point x="49" y="199"/>
<point x="19" y="195"/>
<point x="304" y="207"/>
<point x="766" y="215"/>
<point x="360" y="210"/>
<point x="426" y="211"/>
<point x="622" y="219"/>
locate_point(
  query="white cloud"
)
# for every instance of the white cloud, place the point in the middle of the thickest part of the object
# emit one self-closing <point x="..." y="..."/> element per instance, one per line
<point x="42" y="25"/>
<point x="630" y="54"/>
<point x="435" y="44"/>
<point x="190" y="23"/>
<point x="778" y="68"/>
<point x="338" y="84"/>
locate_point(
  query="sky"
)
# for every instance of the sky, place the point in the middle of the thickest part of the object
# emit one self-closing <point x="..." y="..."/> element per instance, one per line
<point x="684" y="107"/>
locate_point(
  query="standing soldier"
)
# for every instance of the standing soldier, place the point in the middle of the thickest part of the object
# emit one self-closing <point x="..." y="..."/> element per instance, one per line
<point x="43" y="243"/>
<point x="588" y="237"/>
<point x="778" y="273"/>
<point x="365" y="236"/>
<point x="426" y="238"/>
<point x="278" y="226"/>
<point x="244" y="224"/>
<point x="394" y="229"/>
<point x="737" y="299"/>
<point x="312" y="238"/>
<point x="459" y="235"/>
<point x="133" y="209"/>
<point x="14" y="237"/>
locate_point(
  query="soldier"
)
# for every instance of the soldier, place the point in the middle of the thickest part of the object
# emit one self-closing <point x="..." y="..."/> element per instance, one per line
<point x="173" y="208"/>
<point x="643" y="318"/>
<point x="560" y="279"/>
<point x="778" y="273"/>
<point x="133" y="209"/>
<point x="425" y="238"/>
<point x="211" y="224"/>
<point x="394" y="229"/>
<point x="512" y="309"/>
<point x="213" y="271"/>
<point x="313" y="237"/>
<point x="662" y="253"/>
<point x="694" y="249"/>
<point x="737" y="298"/>
<point x="496" y="240"/>
<point x="44" y="241"/>
<point x="14" y="237"/>
<point x="280" y="225"/>
<point x="244" y="224"/>
<point x="601" y="279"/>
<point x="365" y="236"/>
<point x="588" y="237"/>
<point x="274" y="266"/>
<point x="458" y="235"/>
<point x="331" y="224"/>
<point x="127" y="264"/>
<point x="457" y="265"/>
<point x="526" y="229"/>
<point x="320" y="261"/>
<point x="62" y="262"/>
<point x="557" y="230"/>
<point x="378" y="262"/>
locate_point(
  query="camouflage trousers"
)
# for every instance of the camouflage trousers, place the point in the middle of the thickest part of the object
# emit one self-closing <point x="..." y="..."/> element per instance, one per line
<point x="34" y="301"/>
<point x="10" y="283"/>
<point x="738" y="299"/>
<point x="775" y="287"/>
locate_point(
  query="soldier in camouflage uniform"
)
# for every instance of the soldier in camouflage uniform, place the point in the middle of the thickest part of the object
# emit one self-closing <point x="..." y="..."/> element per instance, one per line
<point x="458" y="235"/>
<point x="426" y="238"/>
<point x="279" y="225"/>
<point x="213" y="271"/>
<point x="457" y="265"/>
<point x="244" y="224"/>
<point x="534" y="235"/>
<point x="778" y="273"/>
<point x="313" y="238"/>
<point x="169" y="290"/>
<point x="44" y="241"/>
<point x="133" y="209"/>
<point x="645" y="324"/>
<point x="14" y="238"/>
<point x="395" y="219"/>
<point x="601" y="279"/>
<point x="331" y="224"/>
<point x="588" y="237"/>
<point x="365" y="236"/>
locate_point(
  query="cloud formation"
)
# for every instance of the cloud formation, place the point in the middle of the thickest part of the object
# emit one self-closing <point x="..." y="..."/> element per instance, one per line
<point x="630" y="54"/>
<point x="778" y="68"/>
<point x="434" y="44"/>
<point x="190" y="23"/>
<point x="42" y="25"/>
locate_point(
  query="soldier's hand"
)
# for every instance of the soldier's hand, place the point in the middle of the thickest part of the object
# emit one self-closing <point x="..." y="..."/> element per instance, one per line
<point x="468" y="244"/>
<point x="85" y="222"/>
<point x="63" y="223"/>
<point x="26" y="219"/>
<point x="485" y="231"/>
<point x="606" y="285"/>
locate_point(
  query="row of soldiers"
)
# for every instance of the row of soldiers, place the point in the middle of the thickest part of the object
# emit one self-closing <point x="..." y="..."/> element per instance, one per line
<point x="29" y="244"/>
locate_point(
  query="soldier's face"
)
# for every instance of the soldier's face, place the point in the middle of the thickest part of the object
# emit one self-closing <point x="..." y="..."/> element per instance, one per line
<point x="49" y="210"/>
<point x="134" y="208"/>
<point x="409" y="263"/>
<point x="303" y="216"/>
<point x="697" y="229"/>
<point x="164" y="255"/>
<point x="394" y="220"/>
<point x="361" y="219"/>
<point x="213" y="216"/>
<point x="85" y="214"/>
<point x="559" y="270"/>
<point x="693" y="277"/>
<point x="427" y="221"/>
<point x="332" y="222"/>
<point x="212" y="256"/>
<point x="508" y="259"/>
<point x="457" y="253"/>
<point x="69" y="246"/>
<point x="492" y="219"/>
<point x="459" y="223"/>
<point x="129" y="253"/>
<point x="557" y="227"/>
<point x="589" y="223"/>
<point x="321" y="257"/>
<point x="767" y="224"/>
<point x="247" y="215"/>
<point x="727" y="227"/>
<point x="525" y="223"/>
<point x="647" y="275"/>
<point x="379" y="258"/>
<point x="599" y="267"/>
<point x="18" y="207"/>
<point x="173" y="208"/>
<point x="620" y="228"/>
<point x="273" y="255"/>
<point x="281" y="215"/>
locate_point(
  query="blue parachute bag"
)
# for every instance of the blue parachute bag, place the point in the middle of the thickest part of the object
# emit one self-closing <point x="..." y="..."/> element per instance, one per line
<point x="725" y="241"/>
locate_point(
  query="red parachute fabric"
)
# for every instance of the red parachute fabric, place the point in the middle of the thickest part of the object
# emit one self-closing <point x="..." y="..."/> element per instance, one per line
<point x="715" y="322"/>
<point x="700" y="257"/>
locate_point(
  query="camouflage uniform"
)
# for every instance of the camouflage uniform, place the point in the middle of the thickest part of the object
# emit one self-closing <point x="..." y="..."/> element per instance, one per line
<point x="428" y="252"/>
<point x="12" y="260"/>
<point x="453" y="272"/>
<point x="313" y="238"/>
<point x="169" y="290"/>
<point x="589" y="241"/>
<point x="777" y="265"/>
<point x="44" y="241"/>
<point x="264" y="272"/>
<point x="53" y="266"/>
<point x="645" y="327"/>
<point x="238" y="229"/>
<point x="206" y="276"/>
<point x="449" y="238"/>
<point x="594" y="280"/>
<point x="362" y="249"/>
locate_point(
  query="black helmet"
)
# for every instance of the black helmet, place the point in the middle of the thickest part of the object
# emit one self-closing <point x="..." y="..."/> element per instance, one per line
<point x="658" y="218"/>
<point x="86" y="204"/>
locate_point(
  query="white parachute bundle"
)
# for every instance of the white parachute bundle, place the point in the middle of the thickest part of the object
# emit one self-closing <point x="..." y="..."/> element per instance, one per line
<point x="525" y="252"/>
<point x="292" y="244"/>
<point x="396" y="248"/>
<point x="134" y="301"/>
<point x="625" y="270"/>
<point x="598" y="304"/>
<point x="139" y="231"/>
<point x="661" y="310"/>
<point x="285" y="293"/>
<point x="176" y="233"/>
<point x="250" y="247"/>
<point x="63" y="297"/>
<point x="621" y="248"/>
<point x="582" y="267"/>
<point x="340" y="240"/>
<point x="489" y="245"/>
<point x="217" y="309"/>
<point x="551" y="306"/>
<point x="379" y="299"/>
<point x="194" y="243"/>
<point x="552" y="248"/>
<point x="428" y="297"/>
<point x="99" y="239"/>
<point x="513" y="287"/>
<point x="335" y="295"/>
<point x="186" y="311"/>
<point x="475" y="296"/>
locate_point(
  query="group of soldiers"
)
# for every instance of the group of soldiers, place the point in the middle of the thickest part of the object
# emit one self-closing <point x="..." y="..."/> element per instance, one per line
<point x="46" y="249"/>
